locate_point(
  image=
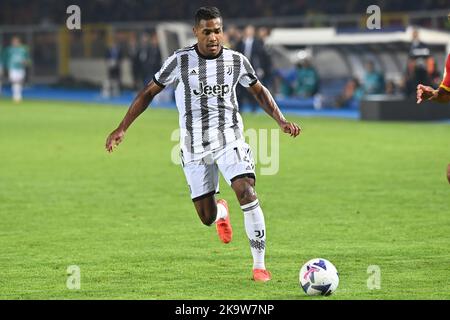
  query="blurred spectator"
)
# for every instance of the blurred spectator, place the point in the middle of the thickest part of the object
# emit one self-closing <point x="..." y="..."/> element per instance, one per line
<point x="150" y="56"/>
<point x="146" y="59"/>
<point x="263" y="34"/>
<point x="17" y="59"/>
<point x="409" y="77"/>
<point x="373" y="80"/>
<point x="233" y="37"/>
<point x="415" y="73"/>
<point x="352" y="93"/>
<point x="391" y="88"/>
<point x="306" y="84"/>
<point x="133" y="54"/>
<point x="284" y="80"/>
<point x="114" y="58"/>
<point x="433" y="75"/>
<point x="418" y="48"/>
<point x="253" y="49"/>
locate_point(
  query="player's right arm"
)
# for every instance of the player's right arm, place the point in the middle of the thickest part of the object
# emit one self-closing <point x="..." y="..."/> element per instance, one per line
<point x="138" y="106"/>
<point x="165" y="76"/>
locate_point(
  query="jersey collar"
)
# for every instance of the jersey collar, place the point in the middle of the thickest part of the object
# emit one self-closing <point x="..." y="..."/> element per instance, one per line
<point x="205" y="57"/>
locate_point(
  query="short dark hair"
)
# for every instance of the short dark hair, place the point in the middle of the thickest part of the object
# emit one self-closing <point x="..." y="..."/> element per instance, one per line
<point x="207" y="13"/>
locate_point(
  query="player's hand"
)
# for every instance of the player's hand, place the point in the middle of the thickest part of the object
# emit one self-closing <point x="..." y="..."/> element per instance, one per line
<point x="114" y="139"/>
<point x="290" y="127"/>
<point x="425" y="93"/>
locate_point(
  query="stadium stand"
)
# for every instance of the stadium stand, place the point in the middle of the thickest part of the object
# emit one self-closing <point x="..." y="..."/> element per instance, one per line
<point x="333" y="35"/>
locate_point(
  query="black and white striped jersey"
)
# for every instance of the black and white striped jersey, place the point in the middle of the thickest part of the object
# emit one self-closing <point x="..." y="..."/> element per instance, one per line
<point x="205" y="94"/>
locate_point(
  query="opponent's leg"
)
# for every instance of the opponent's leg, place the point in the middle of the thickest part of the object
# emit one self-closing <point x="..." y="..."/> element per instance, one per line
<point x="254" y="224"/>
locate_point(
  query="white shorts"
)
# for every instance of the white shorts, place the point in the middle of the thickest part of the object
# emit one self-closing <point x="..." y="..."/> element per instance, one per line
<point x="16" y="75"/>
<point x="234" y="161"/>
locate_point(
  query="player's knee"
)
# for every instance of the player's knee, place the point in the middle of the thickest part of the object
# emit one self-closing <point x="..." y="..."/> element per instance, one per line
<point x="246" y="194"/>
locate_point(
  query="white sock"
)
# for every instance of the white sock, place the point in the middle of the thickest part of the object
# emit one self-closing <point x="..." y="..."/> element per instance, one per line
<point x="256" y="232"/>
<point x="17" y="91"/>
<point x="221" y="212"/>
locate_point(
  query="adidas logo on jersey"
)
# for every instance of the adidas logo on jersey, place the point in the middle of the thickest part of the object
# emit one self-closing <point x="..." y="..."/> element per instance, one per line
<point x="219" y="90"/>
<point x="193" y="72"/>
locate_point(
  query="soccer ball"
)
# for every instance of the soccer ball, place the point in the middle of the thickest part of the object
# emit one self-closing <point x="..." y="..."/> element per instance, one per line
<point x="319" y="277"/>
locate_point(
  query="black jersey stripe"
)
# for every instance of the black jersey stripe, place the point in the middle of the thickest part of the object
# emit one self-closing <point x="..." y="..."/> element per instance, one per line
<point x="236" y="73"/>
<point x="220" y="74"/>
<point x="189" y="140"/>
<point x="250" y="72"/>
<point x="167" y="71"/>
<point x="203" y="102"/>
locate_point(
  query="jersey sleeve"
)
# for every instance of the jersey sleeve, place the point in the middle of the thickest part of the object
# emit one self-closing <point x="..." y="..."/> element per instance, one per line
<point x="248" y="75"/>
<point x="446" y="80"/>
<point x="168" y="72"/>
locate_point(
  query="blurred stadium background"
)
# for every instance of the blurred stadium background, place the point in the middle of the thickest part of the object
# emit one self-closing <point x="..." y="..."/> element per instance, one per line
<point x="357" y="193"/>
<point x="316" y="54"/>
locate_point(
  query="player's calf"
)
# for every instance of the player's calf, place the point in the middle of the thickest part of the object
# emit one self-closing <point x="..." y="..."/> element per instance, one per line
<point x="206" y="210"/>
<point x="254" y="225"/>
<point x="211" y="212"/>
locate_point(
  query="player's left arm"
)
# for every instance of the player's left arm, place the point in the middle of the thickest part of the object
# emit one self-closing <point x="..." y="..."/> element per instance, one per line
<point x="267" y="102"/>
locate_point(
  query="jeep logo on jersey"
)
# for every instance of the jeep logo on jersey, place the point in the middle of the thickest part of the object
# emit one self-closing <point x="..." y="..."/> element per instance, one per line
<point x="219" y="90"/>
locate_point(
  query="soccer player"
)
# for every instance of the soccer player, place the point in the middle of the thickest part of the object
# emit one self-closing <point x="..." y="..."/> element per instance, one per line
<point x="205" y="76"/>
<point x="16" y="60"/>
<point x="441" y="94"/>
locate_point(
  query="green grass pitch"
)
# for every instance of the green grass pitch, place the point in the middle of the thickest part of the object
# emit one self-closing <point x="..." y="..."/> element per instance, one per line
<point x="355" y="193"/>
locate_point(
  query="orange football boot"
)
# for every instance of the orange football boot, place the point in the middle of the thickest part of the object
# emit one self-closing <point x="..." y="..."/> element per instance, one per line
<point x="223" y="226"/>
<point x="261" y="275"/>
